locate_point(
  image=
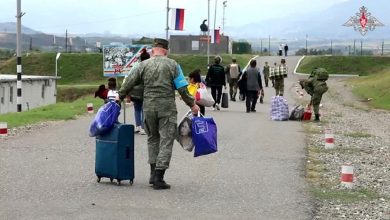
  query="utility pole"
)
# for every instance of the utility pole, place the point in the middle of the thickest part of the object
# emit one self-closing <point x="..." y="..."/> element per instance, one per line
<point x="31" y="44"/>
<point x="208" y="33"/>
<point x="306" y="44"/>
<point x="261" y="46"/>
<point x="66" y="41"/>
<point x="354" y="47"/>
<point x="383" y="45"/>
<point x="19" y="15"/>
<point x="223" y="17"/>
<point x="167" y="27"/>
<point x="269" y="45"/>
<point x="331" y="47"/>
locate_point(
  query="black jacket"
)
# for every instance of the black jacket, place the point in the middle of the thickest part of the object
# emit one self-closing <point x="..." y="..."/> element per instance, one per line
<point x="216" y="76"/>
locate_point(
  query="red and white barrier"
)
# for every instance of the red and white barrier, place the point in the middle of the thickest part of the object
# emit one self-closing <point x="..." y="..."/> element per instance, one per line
<point x="329" y="139"/>
<point x="347" y="175"/>
<point x="90" y="107"/>
<point x="3" y="129"/>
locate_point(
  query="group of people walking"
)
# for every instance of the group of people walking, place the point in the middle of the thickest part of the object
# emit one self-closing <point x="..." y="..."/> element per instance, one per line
<point x="151" y="85"/>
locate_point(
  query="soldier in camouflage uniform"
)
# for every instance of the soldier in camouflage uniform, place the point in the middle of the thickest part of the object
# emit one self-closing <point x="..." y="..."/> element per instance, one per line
<point x="160" y="77"/>
<point x="316" y="86"/>
<point x="278" y="74"/>
<point x="266" y="73"/>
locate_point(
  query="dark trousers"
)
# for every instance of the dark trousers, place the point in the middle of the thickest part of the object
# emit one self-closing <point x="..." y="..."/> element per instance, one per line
<point x="202" y="109"/>
<point x="216" y="92"/>
<point x="251" y="99"/>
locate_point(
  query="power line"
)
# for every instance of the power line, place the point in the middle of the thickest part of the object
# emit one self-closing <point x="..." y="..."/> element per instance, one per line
<point x="101" y="21"/>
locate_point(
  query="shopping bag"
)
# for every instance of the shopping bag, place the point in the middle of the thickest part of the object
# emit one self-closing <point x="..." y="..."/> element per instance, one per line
<point x="225" y="100"/>
<point x="203" y="97"/>
<point x="105" y="119"/>
<point x="204" y="135"/>
<point x="184" y="136"/>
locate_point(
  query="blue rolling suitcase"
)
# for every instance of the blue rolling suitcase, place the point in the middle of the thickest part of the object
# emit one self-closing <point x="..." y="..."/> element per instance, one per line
<point x="115" y="154"/>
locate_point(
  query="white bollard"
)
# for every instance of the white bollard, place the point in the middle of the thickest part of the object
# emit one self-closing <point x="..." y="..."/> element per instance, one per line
<point x="329" y="139"/>
<point x="90" y="107"/>
<point x="3" y="129"/>
<point x="347" y="175"/>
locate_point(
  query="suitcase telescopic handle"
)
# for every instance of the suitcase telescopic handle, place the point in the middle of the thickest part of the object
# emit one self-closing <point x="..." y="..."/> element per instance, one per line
<point x="124" y="111"/>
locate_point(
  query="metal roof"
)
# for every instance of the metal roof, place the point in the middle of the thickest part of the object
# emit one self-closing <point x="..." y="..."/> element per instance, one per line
<point x="10" y="78"/>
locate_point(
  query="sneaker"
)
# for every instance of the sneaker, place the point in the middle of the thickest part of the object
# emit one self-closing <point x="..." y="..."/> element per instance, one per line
<point x="253" y="110"/>
<point x="137" y="129"/>
<point x="213" y="109"/>
<point x="142" y="131"/>
<point x="217" y="107"/>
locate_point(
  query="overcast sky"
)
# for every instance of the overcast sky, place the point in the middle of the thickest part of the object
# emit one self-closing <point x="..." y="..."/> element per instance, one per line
<point x="127" y="17"/>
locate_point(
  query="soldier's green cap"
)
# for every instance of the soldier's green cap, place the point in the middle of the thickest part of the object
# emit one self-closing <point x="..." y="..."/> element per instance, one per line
<point x="159" y="42"/>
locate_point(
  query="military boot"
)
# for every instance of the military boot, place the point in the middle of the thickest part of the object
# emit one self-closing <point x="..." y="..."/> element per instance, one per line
<point x="317" y="117"/>
<point x="159" y="182"/>
<point x="152" y="173"/>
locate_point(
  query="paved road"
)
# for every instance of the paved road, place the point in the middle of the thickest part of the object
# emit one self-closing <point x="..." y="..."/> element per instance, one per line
<point x="257" y="173"/>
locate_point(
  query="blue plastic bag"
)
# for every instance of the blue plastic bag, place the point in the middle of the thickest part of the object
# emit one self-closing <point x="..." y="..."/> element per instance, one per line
<point x="105" y="119"/>
<point x="204" y="136"/>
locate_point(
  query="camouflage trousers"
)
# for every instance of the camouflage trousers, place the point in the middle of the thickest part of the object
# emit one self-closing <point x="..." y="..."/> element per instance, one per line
<point x="161" y="128"/>
<point x="279" y="86"/>
<point x="315" y="101"/>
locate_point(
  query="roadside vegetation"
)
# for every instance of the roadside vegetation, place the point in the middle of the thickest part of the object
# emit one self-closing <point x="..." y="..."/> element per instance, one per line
<point x="350" y="65"/>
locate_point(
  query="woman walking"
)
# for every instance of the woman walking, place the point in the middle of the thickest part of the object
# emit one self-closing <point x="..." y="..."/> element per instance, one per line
<point x="215" y="79"/>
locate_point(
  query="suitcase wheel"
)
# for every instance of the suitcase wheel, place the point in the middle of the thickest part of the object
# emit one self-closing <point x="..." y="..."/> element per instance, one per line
<point x="111" y="179"/>
<point x="131" y="182"/>
<point x="98" y="179"/>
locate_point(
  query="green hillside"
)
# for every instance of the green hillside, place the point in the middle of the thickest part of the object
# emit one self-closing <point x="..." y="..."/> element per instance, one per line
<point x="356" y="65"/>
<point x="72" y="67"/>
<point x="78" y="68"/>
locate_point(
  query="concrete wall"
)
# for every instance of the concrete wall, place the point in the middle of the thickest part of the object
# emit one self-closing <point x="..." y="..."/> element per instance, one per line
<point x="192" y="44"/>
<point x="35" y="93"/>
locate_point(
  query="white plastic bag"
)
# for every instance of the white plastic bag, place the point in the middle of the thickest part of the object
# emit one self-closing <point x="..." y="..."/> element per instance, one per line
<point x="203" y="97"/>
<point x="184" y="132"/>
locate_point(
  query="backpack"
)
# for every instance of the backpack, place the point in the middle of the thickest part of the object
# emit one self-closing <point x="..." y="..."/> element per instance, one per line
<point x="297" y="113"/>
<point x="234" y="71"/>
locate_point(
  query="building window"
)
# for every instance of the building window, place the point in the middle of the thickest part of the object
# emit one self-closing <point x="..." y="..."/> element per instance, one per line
<point x="11" y="94"/>
<point x="2" y="95"/>
<point x="43" y="91"/>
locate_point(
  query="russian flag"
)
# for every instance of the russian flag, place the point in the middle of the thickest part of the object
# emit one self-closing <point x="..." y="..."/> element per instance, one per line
<point x="178" y="18"/>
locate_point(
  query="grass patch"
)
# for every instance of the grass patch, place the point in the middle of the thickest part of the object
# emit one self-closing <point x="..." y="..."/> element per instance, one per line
<point x="59" y="111"/>
<point x="72" y="67"/>
<point x="375" y="87"/>
<point x="72" y="93"/>
<point x="345" y="196"/>
<point x="355" y="65"/>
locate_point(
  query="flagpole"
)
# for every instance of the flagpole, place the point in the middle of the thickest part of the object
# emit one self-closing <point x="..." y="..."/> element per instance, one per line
<point x="208" y="33"/>
<point x="167" y="28"/>
<point x="215" y="20"/>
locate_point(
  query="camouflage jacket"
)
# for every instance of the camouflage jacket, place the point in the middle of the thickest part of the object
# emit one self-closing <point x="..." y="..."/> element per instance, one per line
<point x="157" y="75"/>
